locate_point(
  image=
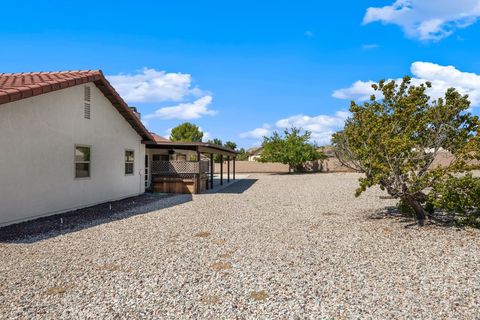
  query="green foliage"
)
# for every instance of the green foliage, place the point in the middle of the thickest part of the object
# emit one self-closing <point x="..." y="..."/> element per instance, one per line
<point x="293" y="149"/>
<point x="215" y="141"/>
<point x="461" y="197"/>
<point x="186" y="132"/>
<point x="230" y="144"/>
<point x="394" y="140"/>
<point x="242" y="155"/>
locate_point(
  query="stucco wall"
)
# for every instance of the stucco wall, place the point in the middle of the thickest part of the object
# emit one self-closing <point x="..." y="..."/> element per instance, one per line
<point x="37" y="140"/>
<point x="329" y="165"/>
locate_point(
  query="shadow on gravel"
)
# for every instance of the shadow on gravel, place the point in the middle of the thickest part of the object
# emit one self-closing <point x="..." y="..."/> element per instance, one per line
<point x="440" y="218"/>
<point x="72" y="221"/>
<point x="238" y="187"/>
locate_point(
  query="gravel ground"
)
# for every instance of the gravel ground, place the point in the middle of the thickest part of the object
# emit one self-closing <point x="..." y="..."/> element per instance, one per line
<point x="271" y="246"/>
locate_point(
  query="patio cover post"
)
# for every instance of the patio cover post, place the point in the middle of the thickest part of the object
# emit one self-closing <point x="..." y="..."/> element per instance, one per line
<point x="228" y="168"/>
<point x="221" y="169"/>
<point x="198" y="180"/>
<point x="212" y="168"/>
<point x="234" y="168"/>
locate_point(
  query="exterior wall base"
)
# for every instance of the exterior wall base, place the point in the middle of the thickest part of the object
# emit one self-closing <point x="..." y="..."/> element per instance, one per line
<point x="66" y="210"/>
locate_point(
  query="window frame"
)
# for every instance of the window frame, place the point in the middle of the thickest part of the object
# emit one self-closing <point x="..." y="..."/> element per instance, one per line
<point x="75" y="161"/>
<point x="125" y="162"/>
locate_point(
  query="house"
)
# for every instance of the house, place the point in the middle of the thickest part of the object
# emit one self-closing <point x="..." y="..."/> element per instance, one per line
<point x="69" y="141"/>
<point x="254" y="153"/>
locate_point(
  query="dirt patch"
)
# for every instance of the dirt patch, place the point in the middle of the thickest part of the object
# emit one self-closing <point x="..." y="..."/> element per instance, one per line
<point x="220" y="266"/>
<point x="226" y="255"/>
<point x="57" y="290"/>
<point x="218" y="242"/>
<point x="202" y="234"/>
<point x="329" y="214"/>
<point x="259" y="295"/>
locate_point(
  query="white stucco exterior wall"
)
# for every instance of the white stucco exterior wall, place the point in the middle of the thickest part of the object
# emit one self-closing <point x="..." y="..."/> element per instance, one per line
<point x="37" y="142"/>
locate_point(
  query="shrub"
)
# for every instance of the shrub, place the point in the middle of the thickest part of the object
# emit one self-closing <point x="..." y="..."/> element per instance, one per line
<point x="459" y="196"/>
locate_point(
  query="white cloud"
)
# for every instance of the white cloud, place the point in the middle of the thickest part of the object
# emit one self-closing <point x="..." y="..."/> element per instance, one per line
<point x="185" y="111"/>
<point x="427" y="19"/>
<point x="151" y="85"/>
<point x="441" y="77"/>
<point x="360" y="90"/>
<point x="257" y="133"/>
<point x="206" y="135"/>
<point x="322" y="126"/>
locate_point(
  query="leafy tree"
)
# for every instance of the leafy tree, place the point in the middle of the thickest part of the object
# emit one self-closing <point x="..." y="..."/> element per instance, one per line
<point x="231" y="145"/>
<point x="186" y="132"/>
<point x="394" y="140"/>
<point x="293" y="149"/>
<point x="215" y="141"/>
<point x="242" y="155"/>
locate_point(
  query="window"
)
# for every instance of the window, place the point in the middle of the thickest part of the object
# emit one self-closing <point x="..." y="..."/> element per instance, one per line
<point x="129" y="161"/>
<point x="82" y="162"/>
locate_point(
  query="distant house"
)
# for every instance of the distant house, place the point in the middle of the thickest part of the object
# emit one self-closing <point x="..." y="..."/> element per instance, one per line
<point x="68" y="141"/>
<point x="254" y="153"/>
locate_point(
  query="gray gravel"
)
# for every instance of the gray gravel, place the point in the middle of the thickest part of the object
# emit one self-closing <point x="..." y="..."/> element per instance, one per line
<point x="299" y="246"/>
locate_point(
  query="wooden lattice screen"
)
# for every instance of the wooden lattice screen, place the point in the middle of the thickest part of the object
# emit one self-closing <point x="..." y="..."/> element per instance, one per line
<point x="179" y="167"/>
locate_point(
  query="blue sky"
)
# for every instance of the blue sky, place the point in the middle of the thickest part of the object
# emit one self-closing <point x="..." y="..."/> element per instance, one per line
<point x="241" y="69"/>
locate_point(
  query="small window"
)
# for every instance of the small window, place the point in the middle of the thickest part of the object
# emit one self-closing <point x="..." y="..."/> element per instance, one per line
<point x="129" y="161"/>
<point x="82" y="162"/>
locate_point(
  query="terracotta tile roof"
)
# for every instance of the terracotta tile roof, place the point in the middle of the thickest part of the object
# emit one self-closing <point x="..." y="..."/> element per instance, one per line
<point x="158" y="138"/>
<point x="17" y="86"/>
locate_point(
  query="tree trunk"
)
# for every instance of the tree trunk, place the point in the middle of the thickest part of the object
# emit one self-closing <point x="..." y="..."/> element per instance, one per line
<point x="419" y="211"/>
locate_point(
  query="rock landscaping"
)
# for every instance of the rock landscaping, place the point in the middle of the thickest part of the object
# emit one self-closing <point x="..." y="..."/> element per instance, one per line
<point x="268" y="247"/>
